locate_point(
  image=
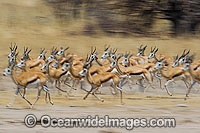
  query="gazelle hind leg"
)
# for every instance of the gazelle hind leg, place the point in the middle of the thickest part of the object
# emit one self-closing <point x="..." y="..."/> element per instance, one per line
<point x="14" y="98"/>
<point x="189" y="89"/>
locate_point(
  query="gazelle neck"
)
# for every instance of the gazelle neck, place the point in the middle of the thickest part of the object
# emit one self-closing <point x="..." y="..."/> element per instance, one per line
<point x="14" y="76"/>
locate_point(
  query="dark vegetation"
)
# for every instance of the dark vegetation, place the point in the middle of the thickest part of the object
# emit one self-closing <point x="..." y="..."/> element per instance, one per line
<point x="131" y="16"/>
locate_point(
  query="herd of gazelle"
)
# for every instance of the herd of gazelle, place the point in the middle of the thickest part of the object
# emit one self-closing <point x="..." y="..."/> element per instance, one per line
<point x="112" y="69"/>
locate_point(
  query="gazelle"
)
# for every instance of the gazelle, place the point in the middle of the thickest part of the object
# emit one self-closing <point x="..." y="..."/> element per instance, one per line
<point x="134" y="72"/>
<point x="100" y="80"/>
<point x="171" y="74"/>
<point x="193" y="72"/>
<point x="55" y="72"/>
<point x="25" y="80"/>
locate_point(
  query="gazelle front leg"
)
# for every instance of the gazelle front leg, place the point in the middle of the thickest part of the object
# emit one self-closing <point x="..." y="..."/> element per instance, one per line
<point x="58" y="87"/>
<point x="24" y="96"/>
<point x="44" y="88"/>
<point x="167" y="88"/>
<point x="38" y="96"/>
<point x="93" y="93"/>
<point x="14" y="97"/>
<point x="92" y="88"/>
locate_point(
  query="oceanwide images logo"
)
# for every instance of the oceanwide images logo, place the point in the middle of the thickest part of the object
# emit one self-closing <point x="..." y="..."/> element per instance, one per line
<point x="96" y="121"/>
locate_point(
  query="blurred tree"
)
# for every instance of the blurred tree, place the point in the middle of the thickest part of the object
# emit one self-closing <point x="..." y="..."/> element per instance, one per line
<point x="130" y="16"/>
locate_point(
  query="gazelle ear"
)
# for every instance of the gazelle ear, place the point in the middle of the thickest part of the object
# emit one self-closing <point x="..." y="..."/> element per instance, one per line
<point x="156" y="51"/>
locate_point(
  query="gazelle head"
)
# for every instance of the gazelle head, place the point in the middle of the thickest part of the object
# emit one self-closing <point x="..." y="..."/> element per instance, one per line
<point x="152" y="53"/>
<point x="159" y="64"/>
<point x="7" y="71"/>
<point x="53" y="54"/>
<point x="93" y="55"/>
<point x="113" y="54"/>
<point x="21" y="64"/>
<point x="13" y="50"/>
<point x="186" y="67"/>
<point x="55" y="64"/>
<point x="83" y="72"/>
<point x="141" y="50"/>
<point x="65" y="66"/>
<point x="86" y="66"/>
<point x="182" y="58"/>
<point x="125" y="61"/>
<point x="188" y="61"/>
<point x="62" y="51"/>
<point x="106" y="53"/>
<point x="25" y="56"/>
<point x="44" y="67"/>
<point x="42" y="54"/>
<point x="12" y="60"/>
<point x="113" y="64"/>
<point x="175" y="63"/>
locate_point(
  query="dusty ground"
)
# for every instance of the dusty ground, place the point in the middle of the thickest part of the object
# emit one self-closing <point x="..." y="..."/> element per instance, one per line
<point x="23" y="22"/>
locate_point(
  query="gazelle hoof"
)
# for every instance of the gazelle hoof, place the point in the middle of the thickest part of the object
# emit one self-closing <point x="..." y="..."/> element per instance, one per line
<point x="8" y="105"/>
<point x="102" y="100"/>
<point x="51" y="103"/>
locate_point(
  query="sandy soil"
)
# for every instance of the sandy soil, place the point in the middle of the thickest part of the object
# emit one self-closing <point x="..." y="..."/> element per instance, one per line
<point x="23" y="22"/>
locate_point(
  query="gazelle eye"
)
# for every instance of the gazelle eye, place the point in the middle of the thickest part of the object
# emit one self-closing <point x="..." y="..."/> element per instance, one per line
<point x="8" y="70"/>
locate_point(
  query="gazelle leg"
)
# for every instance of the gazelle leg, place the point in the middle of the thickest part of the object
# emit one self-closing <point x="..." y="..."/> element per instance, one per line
<point x="81" y="86"/>
<point x="24" y="96"/>
<point x="120" y="90"/>
<point x="129" y="83"/>
<point x="58" y="87"/>
<point x="189" y="89"/>
<point x="65" y="82"/>
<point x="38" y="96"/>
<point x="167" y="88"/>
<point x="92" y="88"/>
<point x="160" y="82"/>
<point x="46" y="100"/>
<point x="93" y="93"/>
<point x="14" y="98"/>
<point x="47" y="91"/>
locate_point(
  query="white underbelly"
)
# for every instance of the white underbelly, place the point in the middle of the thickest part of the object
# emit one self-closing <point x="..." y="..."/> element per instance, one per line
<point x="135" y="77"/>
<point x="107" y="83"/>
<point x="182" y="76"/>
<point x="35" y="83"/>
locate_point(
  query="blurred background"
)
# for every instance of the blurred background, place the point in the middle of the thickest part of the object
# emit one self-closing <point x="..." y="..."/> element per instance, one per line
<point x="125" y="24"/>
